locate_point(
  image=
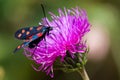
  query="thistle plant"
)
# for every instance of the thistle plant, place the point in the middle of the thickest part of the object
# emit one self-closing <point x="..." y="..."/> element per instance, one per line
<point x="64" y="44"/>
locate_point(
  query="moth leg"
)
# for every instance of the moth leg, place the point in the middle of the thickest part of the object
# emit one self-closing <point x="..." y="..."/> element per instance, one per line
<point x="50" y="34"/>
<point x="34" y="49"/>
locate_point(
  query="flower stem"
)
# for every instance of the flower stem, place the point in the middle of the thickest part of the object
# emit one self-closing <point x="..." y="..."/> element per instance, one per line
<point x="83" y="74"/>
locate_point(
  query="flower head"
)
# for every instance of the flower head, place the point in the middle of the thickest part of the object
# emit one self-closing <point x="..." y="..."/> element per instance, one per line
<point x="69" y="27"/>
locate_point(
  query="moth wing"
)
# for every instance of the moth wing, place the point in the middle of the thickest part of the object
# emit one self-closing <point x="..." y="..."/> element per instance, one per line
<point x="25" y="33"/>
<point x="21" y="46"/>
<point x="26" y="43"/>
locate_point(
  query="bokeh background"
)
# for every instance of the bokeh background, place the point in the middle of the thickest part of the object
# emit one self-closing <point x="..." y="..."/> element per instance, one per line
<point x="103" y="39"/>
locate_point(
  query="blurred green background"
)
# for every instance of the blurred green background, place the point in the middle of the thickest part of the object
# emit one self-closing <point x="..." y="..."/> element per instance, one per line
<point x="104" y="40"/>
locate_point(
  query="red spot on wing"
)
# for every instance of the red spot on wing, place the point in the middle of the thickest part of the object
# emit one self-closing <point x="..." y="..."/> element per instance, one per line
<point x="39" y="28"/>
<point x="27" y="33"/>
<point x="39" y="34"/>
<point x="30" y="37"/>
<point x="30" y="28"/>
<point x="23" y="31"/>
<point x="19" y="47"/>
<point x="19" y="35"/>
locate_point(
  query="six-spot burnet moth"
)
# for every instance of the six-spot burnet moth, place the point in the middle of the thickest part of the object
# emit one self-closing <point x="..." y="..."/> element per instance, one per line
<point x="32" y="35"/>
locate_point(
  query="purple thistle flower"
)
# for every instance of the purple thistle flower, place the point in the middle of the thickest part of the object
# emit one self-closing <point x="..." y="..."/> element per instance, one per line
<point x="69" y="27"/>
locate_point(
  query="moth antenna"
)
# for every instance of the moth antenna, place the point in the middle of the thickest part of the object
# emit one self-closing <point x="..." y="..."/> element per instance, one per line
<point x="44" y="14"/>
<point x="43" y="10"/>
